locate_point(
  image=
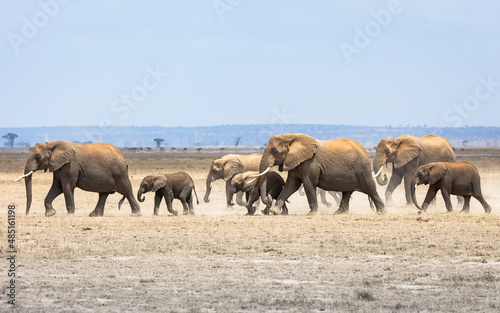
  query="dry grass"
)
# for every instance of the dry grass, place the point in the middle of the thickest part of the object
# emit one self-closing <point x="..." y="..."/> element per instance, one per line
<point x="222" y="261"/>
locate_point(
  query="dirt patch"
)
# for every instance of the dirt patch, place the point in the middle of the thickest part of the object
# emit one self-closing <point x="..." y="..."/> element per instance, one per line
<point x="222" y="261"/>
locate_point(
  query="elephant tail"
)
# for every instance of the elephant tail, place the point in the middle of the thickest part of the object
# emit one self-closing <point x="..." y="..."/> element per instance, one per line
<point x="121" y="202"/>
<point x="197" y="202"/>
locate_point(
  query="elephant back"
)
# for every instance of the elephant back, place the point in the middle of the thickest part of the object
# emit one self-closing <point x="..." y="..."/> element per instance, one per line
<point x="435" y="149"/>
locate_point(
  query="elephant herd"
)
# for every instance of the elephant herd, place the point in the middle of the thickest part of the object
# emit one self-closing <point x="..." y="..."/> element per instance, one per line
<point x="337" y="165"/>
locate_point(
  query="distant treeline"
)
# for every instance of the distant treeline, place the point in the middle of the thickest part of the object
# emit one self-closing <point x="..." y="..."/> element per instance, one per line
<point x="243" y="135"/>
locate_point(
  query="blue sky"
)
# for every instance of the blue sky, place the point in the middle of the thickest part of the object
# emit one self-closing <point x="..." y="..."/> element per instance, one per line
<point x="202" y="63"/>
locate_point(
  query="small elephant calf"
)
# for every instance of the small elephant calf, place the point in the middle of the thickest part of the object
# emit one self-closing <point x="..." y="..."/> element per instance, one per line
<point x="247" y="182"/>
<point x="456" y="178"/>
<point x="169" y="186"/>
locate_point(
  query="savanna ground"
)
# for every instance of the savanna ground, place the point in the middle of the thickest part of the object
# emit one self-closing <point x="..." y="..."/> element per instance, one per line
<point x="222" y="261"/>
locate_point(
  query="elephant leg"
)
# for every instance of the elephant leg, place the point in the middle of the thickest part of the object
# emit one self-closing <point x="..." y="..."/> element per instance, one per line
<point x="239" y="199"/>
<point x="431" y="194"/>
<point x="407" y="184"/>
<point x="125" y="188"/>
<point x="292" y="184"/>
<point x="367" y="186"/>
<point x="55" y="190"/>
<point x="336" y="197"/>
<point x="311" y="195"/>
<point x="168" y="202"/>
<point x="229" y="193"/>
<point x="158" y="197"/>
<point x="344" y="203"/>
<point x="486" y="206"/>
<point x="466" y="207"/>
<point x="396" y="178"/>
<point x="460" y="200"/>
<point x="322" y="194"/>
<point x="99" y="208"/>
<point x="184" y="197"/>
<point x="447" y="199"/>
<point x="190" y="202"/>
<point x="251" y="198"/>
<point x="68" y="188"/>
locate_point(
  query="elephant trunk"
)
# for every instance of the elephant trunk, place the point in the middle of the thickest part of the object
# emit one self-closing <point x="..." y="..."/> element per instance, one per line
<point x="27" y="182"/>
<point x="210" y="179"/>
<point x="413" y="196"/>
<point x="140" y="196"/>
<point x="265" y="165"/>
<point x="378" y="162"/>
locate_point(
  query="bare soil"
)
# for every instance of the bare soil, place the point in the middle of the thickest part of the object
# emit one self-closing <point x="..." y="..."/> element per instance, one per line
<point x="222" y="261"/>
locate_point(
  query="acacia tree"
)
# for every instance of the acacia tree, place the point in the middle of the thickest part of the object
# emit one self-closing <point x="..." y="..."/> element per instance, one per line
<point x="10" y="139"/>
<point x="159" y="141"/>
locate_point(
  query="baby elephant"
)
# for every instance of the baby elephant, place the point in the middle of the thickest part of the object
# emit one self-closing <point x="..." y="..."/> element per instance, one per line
<point x="247" y="182"/>
<point x="169" y="186"/>
<point x="456" y="178"/>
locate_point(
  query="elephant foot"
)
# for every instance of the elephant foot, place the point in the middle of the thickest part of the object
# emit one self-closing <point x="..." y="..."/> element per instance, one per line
<point x="95" y="213"/>
<point x="487" y="210"/>
<point x="175" y="213"/>
<point x="249" y="214"/>
<point x="313" y="212"/>
<point x="137" y="213"/>
<point x="389" y="202"/>
<point x="49" y="213"/>
<point x="230" y="203"/>
<point x="341" y="211"/>
<point x="265" y="211"/>
<point x="206" y="200"/>
<point x="382" y="211"/>
<point x="465" y="211"/>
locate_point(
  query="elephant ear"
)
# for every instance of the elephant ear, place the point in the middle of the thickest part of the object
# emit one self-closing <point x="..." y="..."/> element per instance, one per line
<point x="232" y="166"/>
<point x="436" y="172"/>
<point x="408" y="149"/>
<point x="300" y="148"/>
<point x="61" y="153"/>
<point x="160" y="181"/>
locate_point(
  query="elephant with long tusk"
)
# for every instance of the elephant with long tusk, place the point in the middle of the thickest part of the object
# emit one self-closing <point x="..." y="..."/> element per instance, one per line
<point x="97" y="167"/>
<point x="333" y="165"/>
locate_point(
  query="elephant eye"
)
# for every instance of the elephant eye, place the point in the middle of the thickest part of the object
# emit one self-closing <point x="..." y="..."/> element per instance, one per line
<point x="275" y="150"/>
<point x="38" y="157"/>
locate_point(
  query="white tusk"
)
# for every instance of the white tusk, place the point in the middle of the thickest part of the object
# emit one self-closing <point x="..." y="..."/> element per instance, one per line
<point x="379" y="171"/>
<point x="24" y="176"/>
<point x="415" y="186"/>
<point x="258" y="175"/>
<point x="210" y="187"/>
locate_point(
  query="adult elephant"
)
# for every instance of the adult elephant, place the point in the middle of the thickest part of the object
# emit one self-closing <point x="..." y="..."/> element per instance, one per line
<point x="97" y="167"/>
<point x="406" y="153"/>
<point x="228" y="166"/>
<point x="333" y="165"/>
